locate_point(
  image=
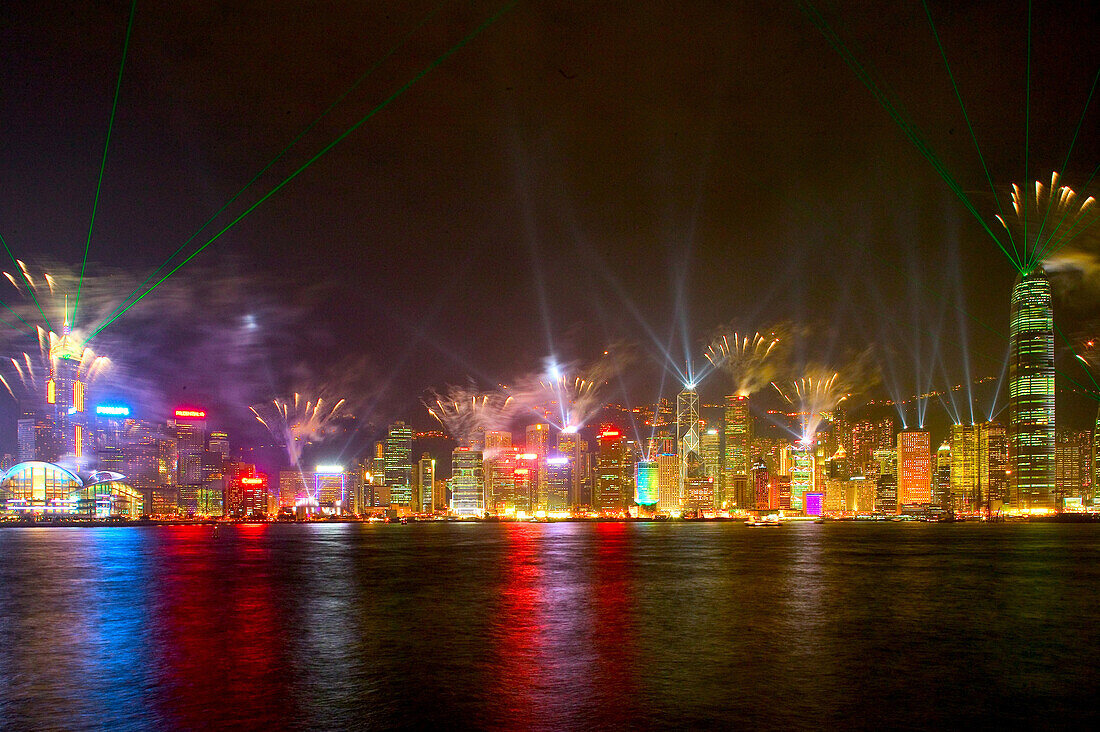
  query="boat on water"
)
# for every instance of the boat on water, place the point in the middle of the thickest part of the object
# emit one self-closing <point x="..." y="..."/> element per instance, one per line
<point x="769" y="520"/>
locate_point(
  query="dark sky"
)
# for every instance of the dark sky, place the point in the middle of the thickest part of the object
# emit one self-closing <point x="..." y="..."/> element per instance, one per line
<point x="581" y="173"/>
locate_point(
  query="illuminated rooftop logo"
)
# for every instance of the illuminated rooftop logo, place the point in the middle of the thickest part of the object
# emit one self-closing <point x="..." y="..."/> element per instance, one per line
<point x="190" y="414"/>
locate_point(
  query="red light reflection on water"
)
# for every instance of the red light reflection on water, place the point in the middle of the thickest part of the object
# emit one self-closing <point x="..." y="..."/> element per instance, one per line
<point x="519" y="628"/>
<point x="613" y="676"/>
<point x="220" y="658"/>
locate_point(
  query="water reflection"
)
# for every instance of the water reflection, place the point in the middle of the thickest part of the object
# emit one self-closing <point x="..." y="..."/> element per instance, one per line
<point x="546" y="626"/>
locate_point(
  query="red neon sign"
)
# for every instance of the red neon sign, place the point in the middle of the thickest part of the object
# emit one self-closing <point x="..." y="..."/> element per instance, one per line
<point x="610" y="433"/>
<point x="252" y="481"/>
<point x="190" y="414"/>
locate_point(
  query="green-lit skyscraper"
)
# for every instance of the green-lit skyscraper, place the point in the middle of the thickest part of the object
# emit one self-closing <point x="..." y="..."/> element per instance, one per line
<point x="397" y="460"/>
<point x="737" y="447"/>
<point x="1031" y="392"/>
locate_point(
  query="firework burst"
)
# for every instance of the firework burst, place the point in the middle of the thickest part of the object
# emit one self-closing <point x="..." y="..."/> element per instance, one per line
<point x="298" y="421"/>
<point x="467" y="413"/>
<point x="750" y="361"/>
<point x="1048" y="219"/>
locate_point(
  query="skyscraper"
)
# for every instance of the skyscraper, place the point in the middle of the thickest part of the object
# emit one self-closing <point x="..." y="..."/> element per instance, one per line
<point x="559" y="482"/>
<point x="1094" y="456"/>
<point x="914" y="467"/>
<point x="801" y="467"/>
<point x="647" y="491"/>
<point x="426" y="481"/>
<point x="397" y="460"/>
<point x="188" y="428"/>
<point x="1031" y="392"/>
<point x="886" y="485"/>
<point x="538" y="443"/>
<point x="687" y="428"/>
<point x="737" y="456"/>
<point x="65" y="392"/>
<point x="941" y="478"/>
<point x="710" y="445"/>
<point x="575" y="446"/>
<point x="670" y="488"/>
<point x="1070" y="465"/>
<point x="611" y="484"/>
<point x="467" y="482"/>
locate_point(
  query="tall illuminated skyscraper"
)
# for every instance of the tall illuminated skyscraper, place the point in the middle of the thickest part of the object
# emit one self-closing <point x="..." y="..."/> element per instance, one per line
<point x="647" y="490"/>
<point x="1095" y="457"/>
<point x="397" y="461"/>
<point x="670" y="488"/>
<point x="467" y="482"/>
<point x="687" y="428"/>
<point x="801" y="471"/>
<point x="737" y="457"/>
<point x="710" y="445"/>
<point x="914" y="467"/>
<point x="559" y="482"/>
<point x="65" y="389"/>
<point x="425" y="479"/>
<point x="1031" y="392"/>
<point x="941" y="478"/>
<point x="612" y="485"/>
<point x="188" y="428"/>
<point x="886" y="484"/>
<point x="575" y="446"/>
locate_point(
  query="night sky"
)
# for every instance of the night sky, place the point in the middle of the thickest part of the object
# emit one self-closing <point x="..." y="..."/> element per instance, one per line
<point x="577" y="175"/>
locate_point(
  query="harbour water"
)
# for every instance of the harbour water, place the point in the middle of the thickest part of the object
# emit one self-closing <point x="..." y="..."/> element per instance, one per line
<point x="563" y="625"/>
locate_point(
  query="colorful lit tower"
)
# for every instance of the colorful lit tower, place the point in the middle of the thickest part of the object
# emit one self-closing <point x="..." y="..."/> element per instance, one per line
<point x="737" y="456"/>
<point x="646" y="487"/>
<point x="1031" y="392"/>
<point x="914" y="467"/>
<point x="65" y="394"/>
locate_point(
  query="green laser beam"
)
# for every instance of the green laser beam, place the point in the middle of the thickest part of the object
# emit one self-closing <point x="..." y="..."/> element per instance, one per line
<point x="966" y="117"/>
<point x="282" y="153"/>
<point x="382" y="105"/>
<point x="103" y="161"/>
<point x="1065" y="162"/>
<point x="909" y="129"/>
<point x="30" y="289"/>
<point x="12" y="325"/>
<point x="1093" y="394"/>
<point x="1027" y="127"/>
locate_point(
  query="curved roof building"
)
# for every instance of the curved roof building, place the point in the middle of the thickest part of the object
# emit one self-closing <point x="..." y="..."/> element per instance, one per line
<point x="36" y="487"/>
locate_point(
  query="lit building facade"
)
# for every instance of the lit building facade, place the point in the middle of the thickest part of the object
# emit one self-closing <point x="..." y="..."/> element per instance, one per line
<point x="397" y="464"/>
<point x="647" y="486"/>
<point x="914" y="468"/>
<point x="687" y="429"/>
<point x="737" y="448"/>
<point x="669" y="485"/>
<point x="425" y="480"/>
<point x="1031" y="393"/>
<point x="612" y="456"/>
<point x="467" y="482"/>
<point x="46" y="489"/>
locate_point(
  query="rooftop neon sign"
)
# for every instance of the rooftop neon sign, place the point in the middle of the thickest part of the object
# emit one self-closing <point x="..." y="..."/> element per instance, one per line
<point x="111" y="410"/>
<point x="190" y="414"/>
